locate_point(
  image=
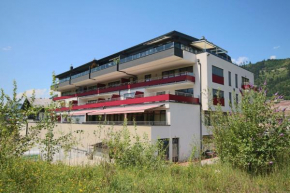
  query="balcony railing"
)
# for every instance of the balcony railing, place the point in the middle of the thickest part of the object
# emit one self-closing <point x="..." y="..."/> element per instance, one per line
<point x="178" y="77"/>
<point x="134" y="57"/>
<point x="149" y="123"/>
<point x="137" y="99"/>
<point x="104" y="66"/>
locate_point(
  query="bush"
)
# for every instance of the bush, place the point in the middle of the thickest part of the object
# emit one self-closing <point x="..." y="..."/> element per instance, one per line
<point x="253" y="136"/>
<point x="127" y="149"/>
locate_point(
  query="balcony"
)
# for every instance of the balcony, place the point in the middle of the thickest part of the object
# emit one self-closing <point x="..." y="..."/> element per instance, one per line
<point x="145" y="123"/>
<point x="179" y="77"/>
<point x="172" y="49"/>
<point x="217" y="79"/>
<point x="137" y="99"/>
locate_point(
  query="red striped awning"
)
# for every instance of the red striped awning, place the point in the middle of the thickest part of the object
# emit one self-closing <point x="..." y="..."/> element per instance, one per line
<point x="127" y="109"/>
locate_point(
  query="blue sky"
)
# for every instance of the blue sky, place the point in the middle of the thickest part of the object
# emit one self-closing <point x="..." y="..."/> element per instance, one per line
<point x="39" y="37"/>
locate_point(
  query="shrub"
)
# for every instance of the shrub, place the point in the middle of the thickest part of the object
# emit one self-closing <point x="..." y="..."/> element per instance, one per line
<point x="254" y="136"/>
<point x="127" y="149"/>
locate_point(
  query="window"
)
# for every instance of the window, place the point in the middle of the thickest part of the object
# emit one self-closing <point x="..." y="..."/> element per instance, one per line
<point x="236" y="79"/>
<point x="218" y="97"/>
<point x="184" y="92"/>
<point x="186" y="70"/>
<point x="245" y="81"/>
<point x="217" y="71"/>
<point x="147" y="77"/>
<point x="230" y="78"/>
<point x="230" y="98"/>
<point x="237" y="98"/>
<point x="217" y="93"/>
<point x="164" y="148"/>
<point x="129" y="95"/>
<point x="168" y="74"/>
<point x="114" y="84"/>
<point x="217" y="75"/>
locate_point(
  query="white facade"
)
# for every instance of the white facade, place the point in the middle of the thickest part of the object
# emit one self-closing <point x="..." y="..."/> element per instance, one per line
<point x="182" y="111"/>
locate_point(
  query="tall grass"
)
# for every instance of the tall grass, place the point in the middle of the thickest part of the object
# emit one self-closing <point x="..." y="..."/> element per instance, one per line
<point x="27" y="176"/>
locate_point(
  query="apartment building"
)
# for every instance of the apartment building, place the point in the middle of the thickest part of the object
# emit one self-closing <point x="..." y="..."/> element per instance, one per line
<point x="162" y="85"/>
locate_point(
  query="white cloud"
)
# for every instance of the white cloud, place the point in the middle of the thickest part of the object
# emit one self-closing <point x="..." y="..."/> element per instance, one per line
<point x="39" y="93"/>
<point x="272" y="57"/>
<point x="241" y="60"/>
<point x="8" y="48"/>
<point x="276" y="47"/>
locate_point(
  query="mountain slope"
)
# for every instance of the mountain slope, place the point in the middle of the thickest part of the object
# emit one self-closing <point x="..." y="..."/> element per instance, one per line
<point x="275" y="72"/>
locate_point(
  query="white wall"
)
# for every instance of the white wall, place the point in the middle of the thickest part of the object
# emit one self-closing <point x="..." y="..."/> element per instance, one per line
<point x="207" y="61"/>
<point x="184" y="124"/>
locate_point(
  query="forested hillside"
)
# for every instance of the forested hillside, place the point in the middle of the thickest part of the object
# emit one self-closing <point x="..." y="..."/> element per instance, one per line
<point x="275" y="72"/>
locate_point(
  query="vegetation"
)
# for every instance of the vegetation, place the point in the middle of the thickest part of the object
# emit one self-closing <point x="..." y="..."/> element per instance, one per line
<point x="253" y="136"/>
<point x="275" y="72"/>
<point x="27" y="176"/>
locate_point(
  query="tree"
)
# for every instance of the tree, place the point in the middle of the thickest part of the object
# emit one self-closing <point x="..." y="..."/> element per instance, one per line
<point x="254" y="136"/>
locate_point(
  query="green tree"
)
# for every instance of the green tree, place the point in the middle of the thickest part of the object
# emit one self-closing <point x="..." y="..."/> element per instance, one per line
<point x="254" y="136"/>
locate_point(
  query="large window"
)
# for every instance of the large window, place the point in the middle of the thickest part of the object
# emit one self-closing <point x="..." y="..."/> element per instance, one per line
<point x="217" y="71"/>
<point x="217" y="75"/>
<point x="168" y="74"/>
<point x="230" y="78"/>
<point x="217" y="93"/>
<point x="113" y="84"/>
<point x="218" y="97"/>
<point x="230" y="98"/>
<point x="184" y="92"/>
<point x="186" y="70"/>
<point x="147" y="77"/>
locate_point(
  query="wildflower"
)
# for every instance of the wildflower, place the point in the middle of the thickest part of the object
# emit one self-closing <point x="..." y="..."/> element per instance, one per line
<point x="284" y="110"/>
<point x="265" y="83"/>
<point x="276" y="93"/>
<point x="281" y="134"/>
<point x="270" y="162"/>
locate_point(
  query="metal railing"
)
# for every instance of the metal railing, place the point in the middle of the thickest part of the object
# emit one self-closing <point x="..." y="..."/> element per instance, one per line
<point x="135" y="82"/>
<point x="149" y="123"/>
<point x="133" y="95"/>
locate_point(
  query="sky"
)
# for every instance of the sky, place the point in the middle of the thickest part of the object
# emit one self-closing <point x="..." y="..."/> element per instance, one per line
<point x="39" y="37"/>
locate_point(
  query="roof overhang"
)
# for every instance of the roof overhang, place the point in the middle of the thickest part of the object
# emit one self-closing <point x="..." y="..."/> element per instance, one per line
<point x="206" y="45"/>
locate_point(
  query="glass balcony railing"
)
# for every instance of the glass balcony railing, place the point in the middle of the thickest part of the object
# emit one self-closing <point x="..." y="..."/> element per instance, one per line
<point x="133" y="57"/>
<point x="147" y="52"/>
<point x="64" y="79"/>
<point x="80" y="74"/>
<point x="102" y="67"/>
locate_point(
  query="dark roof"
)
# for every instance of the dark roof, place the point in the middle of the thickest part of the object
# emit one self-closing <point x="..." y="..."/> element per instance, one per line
<point x="173" y="35"/>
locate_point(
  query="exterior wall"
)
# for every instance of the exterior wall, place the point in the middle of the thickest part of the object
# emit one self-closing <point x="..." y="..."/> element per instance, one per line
<point x="207" y="61"/>
<point x="92" y="134"/>
<point x="184" y="124"/>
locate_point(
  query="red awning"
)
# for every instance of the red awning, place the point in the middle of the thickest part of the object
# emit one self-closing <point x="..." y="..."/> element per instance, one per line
<point x="81" y="112"/>
<point x="128" y="109"/>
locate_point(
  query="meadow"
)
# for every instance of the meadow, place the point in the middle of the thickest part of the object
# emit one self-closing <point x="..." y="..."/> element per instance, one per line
<point x="18" y="175"/>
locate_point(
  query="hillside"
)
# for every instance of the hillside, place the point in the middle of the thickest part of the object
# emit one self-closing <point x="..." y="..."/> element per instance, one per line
<point x="275" y="72"/>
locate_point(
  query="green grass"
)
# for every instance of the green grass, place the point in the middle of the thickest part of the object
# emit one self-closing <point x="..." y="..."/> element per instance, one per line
<point x="29" y="176"/>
